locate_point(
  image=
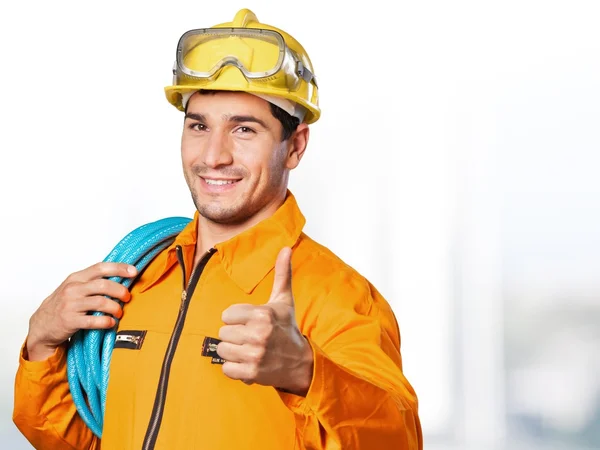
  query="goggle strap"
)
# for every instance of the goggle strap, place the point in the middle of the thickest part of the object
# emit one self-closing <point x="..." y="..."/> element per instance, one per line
<point x="305" y="73"/>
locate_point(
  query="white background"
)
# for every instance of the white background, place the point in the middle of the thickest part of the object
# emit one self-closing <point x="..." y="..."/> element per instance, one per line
<point x="455" y="159"/>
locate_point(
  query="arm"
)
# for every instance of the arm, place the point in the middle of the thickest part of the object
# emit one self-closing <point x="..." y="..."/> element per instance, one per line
<point x="358" y="397"/>
<point x="44" y="410"/>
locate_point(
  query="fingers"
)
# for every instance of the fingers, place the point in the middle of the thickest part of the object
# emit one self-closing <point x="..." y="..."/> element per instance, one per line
<point x="104" y="270"/>
<point x="248" y="354"/>
<point x="256" y="334"/>
<point x="100" y="304"/>
<point x="94" y="322"/>
<point x="103" y="286"/>
<point x="238" y="314"/>
<point x="231" y="352"/>
<point x="67" y="309"/>
<point x="282" y="282"/>
<point x="239" y="371"/>
<point x="234" y="334"/>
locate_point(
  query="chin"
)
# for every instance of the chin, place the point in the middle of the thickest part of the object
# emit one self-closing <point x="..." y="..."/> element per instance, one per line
<point x="222" y="214"/>
<point x="225" y="219"/>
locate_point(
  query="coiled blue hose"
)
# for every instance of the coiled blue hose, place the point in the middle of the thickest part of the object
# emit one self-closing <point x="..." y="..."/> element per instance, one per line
<point x="90" y="351"/>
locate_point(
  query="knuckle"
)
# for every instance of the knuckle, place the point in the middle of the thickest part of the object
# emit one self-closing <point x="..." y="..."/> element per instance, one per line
<point x="117" y="291"/>
<point x="93" y="303"/>
<point x="102" y="321"/>
<point x="266" y="331"/>
<point x="107" y="269"/>
<point x="104" y="285"/>
<point x="257" y="354"/>
<point x="109" y="305"/>
<point x="88" y="321"/>
<point x="70" y="278"/>
<point x="64" y="303"/>
<point x="264" y="314"/>
<point x="70" y="289"/>
<point x="261" y="334"/>
<point x="252" y="372"/>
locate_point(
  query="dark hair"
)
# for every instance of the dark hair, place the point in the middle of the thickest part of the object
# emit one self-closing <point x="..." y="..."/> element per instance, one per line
<point x="288" y="122"/>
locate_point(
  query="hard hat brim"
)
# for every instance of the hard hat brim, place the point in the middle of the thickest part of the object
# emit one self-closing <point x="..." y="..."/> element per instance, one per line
<point x="174" y="96"/>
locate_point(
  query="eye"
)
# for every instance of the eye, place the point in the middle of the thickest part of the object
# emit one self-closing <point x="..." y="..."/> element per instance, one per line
<point x="244" y="130"/>
<point x="196" y="126"/>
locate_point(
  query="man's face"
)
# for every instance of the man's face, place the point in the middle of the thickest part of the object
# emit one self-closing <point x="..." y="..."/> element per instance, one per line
<point x="234" y="161"/>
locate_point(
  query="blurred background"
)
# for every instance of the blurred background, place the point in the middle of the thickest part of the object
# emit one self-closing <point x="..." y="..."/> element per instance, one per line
<point x="455" y="165"/>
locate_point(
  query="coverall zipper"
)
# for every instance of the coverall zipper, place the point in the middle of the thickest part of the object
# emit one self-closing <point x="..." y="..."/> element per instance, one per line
<point x="163" y="381"/>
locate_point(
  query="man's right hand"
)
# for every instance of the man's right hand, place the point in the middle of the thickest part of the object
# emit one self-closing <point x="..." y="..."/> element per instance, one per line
<point x="65" y="311"/>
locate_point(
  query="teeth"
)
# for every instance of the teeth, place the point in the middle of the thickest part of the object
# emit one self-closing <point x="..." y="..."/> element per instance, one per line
<point x="219" y="182"/>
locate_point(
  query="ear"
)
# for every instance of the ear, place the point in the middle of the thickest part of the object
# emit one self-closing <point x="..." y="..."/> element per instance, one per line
<point x="297" y="146"/>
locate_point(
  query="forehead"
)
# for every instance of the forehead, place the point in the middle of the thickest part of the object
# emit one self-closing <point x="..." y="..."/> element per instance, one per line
<point x="227" y="103"/>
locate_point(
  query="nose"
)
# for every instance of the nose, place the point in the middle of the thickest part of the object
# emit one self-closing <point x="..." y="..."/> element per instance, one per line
<point x="217" y="151"/>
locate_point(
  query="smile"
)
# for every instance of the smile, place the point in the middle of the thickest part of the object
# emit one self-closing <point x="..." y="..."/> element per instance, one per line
<point x="218" y="185"/>
<point x="219" y="182"/>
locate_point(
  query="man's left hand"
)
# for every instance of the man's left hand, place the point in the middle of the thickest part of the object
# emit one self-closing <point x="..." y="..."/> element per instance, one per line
<point x="262" y="343"/>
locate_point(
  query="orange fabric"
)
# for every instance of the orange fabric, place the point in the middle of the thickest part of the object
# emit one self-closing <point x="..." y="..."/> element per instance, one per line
<point x="359" y="397"/>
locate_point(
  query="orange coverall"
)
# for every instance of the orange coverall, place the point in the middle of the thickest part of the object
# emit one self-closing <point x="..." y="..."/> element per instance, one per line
<point x="358" y="399"/>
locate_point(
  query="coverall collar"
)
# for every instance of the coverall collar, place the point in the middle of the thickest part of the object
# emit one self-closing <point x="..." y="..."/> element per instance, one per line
<point x="247" y="257"/>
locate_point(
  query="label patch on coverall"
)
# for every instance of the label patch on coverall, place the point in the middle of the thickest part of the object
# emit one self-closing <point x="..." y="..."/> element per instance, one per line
<point x="131" y="339"/>
<point x="209" y="349"/>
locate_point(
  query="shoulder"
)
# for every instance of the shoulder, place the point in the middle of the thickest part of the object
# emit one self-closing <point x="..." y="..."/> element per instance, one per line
<point x="318" y="269"/>
<point x="314" y="260"/>
<point x="334" y="296"/>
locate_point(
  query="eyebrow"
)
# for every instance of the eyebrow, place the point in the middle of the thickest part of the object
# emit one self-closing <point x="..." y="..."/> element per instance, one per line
<point x="248" y="118"/>
<point x="194" y="116"/>
<point x="237" y="119"/>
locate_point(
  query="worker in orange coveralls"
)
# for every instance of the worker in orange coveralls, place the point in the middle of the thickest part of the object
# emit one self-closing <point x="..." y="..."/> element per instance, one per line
<point x="305" y="351"/>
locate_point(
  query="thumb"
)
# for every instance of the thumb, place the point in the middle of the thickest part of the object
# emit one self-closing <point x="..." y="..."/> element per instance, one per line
<point x="282" y="284"/>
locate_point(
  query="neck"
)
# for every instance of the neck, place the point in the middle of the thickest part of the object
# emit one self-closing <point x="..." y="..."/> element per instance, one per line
<point x="211" y="233"/>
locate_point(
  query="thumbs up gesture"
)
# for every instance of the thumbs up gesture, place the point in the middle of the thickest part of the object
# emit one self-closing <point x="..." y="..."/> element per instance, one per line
<point x="262" y="343"/>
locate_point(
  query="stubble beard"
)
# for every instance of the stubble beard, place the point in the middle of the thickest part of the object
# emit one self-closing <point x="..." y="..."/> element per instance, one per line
<point x="246" y="204"/>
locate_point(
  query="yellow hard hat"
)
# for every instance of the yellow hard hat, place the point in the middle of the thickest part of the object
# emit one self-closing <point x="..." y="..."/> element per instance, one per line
<point x="245" y="55"/>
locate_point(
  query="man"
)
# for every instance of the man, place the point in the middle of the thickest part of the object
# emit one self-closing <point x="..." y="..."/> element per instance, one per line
<point x="307" y="351"/>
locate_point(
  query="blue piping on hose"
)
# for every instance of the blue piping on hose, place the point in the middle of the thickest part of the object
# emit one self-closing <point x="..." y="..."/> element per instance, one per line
<point x="90" y="351"/>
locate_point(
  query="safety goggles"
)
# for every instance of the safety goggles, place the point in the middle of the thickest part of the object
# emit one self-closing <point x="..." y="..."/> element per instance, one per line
<point x="260" y="55"/>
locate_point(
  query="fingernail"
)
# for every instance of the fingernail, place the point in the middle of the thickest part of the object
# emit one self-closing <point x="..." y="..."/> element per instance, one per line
<point x="132" y="270"/>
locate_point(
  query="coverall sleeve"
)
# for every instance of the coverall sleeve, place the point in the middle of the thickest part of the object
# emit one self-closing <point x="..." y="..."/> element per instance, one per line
<point x="359" y="397"/>
<point x="44" y="410"/>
